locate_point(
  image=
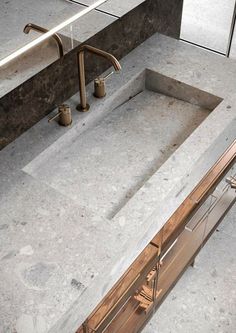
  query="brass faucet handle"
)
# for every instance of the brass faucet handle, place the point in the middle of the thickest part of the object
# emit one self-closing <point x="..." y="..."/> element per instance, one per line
<point x="64" y="114"/>
<point x="100" y="86"/>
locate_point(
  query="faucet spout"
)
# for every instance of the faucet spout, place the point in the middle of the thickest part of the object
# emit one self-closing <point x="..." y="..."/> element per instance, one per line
<point x="35" y="27"/>
<point x="83" y="106"/>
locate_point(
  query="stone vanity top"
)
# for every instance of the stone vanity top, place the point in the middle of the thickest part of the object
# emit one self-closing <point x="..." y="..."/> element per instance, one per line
<point x="59" y="258"/>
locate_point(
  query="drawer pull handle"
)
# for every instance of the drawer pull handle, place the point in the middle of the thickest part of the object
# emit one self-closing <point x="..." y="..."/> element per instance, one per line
<point x="146" y="298"/>
<point x="144" y="304"/>
<point x="151" y="276"/>
<point x="232" y="182"/>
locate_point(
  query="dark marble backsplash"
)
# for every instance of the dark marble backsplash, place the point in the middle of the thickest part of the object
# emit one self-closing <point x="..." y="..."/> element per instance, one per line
<point x="31" y="101"/>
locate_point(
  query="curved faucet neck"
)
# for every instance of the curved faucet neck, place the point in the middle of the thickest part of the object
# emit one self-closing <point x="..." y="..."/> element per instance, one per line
<point x="83" y="106"/>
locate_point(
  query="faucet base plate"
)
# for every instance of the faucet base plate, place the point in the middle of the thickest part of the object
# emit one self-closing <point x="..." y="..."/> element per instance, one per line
<point x="82" y="109"/>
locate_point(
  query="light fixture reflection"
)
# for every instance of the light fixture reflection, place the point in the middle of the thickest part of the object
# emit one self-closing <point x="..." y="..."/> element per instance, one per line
<point x="40" y="39"/>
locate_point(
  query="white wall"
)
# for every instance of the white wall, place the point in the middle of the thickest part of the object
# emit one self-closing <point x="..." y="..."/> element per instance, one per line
<point x="207" y="23"/>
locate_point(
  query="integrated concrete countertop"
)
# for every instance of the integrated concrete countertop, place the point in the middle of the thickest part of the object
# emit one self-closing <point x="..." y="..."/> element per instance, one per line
<point x="60" y="258"/>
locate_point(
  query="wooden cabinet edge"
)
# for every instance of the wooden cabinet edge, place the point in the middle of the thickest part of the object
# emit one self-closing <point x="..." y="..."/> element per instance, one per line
<point x="137" y="273"/>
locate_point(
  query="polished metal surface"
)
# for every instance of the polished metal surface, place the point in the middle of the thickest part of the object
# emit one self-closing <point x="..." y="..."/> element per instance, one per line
<point x="64" y="115"/>
<point x="99" y="88"/>
<point x="83" y="106"/>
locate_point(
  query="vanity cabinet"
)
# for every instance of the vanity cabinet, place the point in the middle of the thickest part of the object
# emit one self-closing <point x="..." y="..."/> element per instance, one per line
<point x="142" y="289"/>
<point x="185" y="247"/>
<point x="133" y="295"/>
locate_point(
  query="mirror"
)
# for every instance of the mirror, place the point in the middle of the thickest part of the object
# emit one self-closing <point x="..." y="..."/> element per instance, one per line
<point x="35" y="33"/>
<point x="55" y="16"/>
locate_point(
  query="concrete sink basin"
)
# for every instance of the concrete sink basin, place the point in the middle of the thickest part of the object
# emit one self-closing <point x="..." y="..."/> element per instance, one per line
<point x="103" y="166"/>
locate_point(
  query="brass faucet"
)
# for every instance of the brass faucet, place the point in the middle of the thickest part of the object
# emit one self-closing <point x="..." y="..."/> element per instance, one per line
<point x="83" y="106"/>
<point x="32" y="26"/>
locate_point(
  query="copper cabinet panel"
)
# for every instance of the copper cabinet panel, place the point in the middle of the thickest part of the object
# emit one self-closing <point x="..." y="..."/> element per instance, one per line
<point x="151" y="277"/>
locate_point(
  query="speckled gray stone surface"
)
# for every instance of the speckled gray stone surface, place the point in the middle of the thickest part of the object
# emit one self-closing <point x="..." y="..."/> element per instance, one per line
<point x="120" y="153"/>
<point x="77" y="254"/>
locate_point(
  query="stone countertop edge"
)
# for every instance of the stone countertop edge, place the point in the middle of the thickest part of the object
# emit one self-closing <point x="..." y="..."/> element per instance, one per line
<point x="185" y="63"/>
